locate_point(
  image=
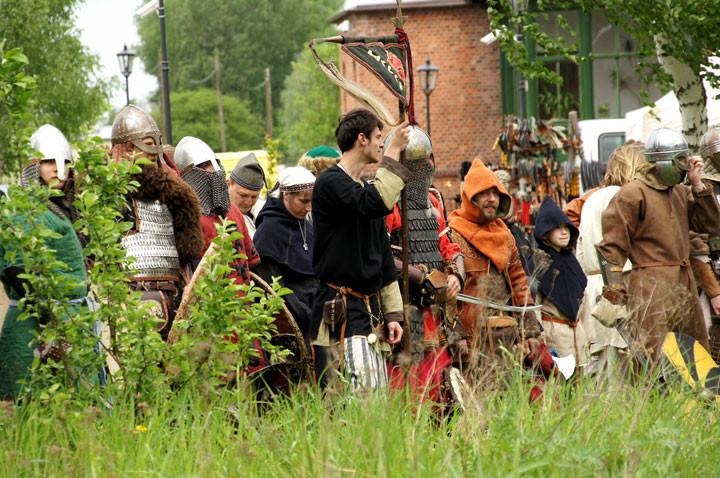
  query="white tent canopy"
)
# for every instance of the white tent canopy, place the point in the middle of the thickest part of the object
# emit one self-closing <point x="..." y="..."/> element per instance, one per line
<point x="640" y="123"/>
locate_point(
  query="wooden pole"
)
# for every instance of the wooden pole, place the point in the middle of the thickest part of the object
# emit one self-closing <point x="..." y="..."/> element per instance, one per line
<point x="399" y="22"/>
<point x="268" y="102"/>
<point x="223" y="144"/>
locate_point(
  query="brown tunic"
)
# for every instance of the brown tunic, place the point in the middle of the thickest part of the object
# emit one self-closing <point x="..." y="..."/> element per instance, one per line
<point x="649" y="225"/>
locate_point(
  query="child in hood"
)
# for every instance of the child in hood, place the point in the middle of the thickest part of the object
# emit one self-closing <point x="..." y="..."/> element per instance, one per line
<point x="562" y="284"/>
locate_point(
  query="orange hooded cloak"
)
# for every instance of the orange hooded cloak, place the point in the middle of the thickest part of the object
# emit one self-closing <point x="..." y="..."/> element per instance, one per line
<point x="488" y="247"/>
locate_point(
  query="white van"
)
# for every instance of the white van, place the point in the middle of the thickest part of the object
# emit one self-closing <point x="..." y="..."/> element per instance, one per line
<point x="599" y="137"/>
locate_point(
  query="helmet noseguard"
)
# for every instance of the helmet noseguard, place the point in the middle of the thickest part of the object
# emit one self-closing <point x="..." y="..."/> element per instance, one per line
<point x="668" y="150"/>
<point x="133" y="125"/>
<point x="419" y="146"/>
<point x="191" y="152"/>
<point x="53" y="145"/>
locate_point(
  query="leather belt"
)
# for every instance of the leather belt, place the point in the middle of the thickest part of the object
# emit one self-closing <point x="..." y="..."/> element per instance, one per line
<point x="593" y="273"/>
<point x="347" y="290"/>
<point x="558" y="320"/>
<point x="682" y="263"/>
<point x="154" y="285"/>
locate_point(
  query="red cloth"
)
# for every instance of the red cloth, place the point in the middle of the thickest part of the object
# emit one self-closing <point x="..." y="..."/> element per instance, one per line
<point x="425" y="378"/>
<point x="241" y="267"/>
<point x="525" y="215"/>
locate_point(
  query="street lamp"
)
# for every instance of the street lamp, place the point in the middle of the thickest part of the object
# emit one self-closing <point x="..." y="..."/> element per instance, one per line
<point x="428" y="79"/>
<point x="125" y="59"/>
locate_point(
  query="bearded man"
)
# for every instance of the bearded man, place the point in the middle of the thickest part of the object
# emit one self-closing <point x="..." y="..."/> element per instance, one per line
<point x="436" y="274"/>
<point x="166" y="236"/>
<point x="648" y="221"/>
<point x="494" y="271"/>
<point x="489" y="248"/>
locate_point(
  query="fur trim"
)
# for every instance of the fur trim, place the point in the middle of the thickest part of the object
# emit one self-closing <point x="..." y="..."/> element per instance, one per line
<point x="318" y="165"/>
<point x="165" y="186"/>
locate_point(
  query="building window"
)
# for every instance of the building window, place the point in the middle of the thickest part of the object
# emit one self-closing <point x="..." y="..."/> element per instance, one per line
<point x="606" y="87"/>
<point x="617" y="86"/>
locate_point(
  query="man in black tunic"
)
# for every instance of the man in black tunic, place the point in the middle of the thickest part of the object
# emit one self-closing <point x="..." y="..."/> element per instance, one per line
<point x="352" y="256"/>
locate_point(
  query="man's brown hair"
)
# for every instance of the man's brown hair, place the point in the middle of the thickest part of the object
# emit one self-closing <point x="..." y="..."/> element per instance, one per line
<point x="352" y="124"/>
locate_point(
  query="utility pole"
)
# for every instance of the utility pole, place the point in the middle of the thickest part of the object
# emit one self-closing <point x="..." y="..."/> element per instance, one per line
<point x="223" y="145"/>
<point x="165" y="72"/>
<point x="161" y="96"/>
<point x="268" y="102"/>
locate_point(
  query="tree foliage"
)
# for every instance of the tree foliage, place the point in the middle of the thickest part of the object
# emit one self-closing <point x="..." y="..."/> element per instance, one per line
<point x="195" y="113"/>
<point x="248" y="36"/>
<point x="310" y="105"/>
<point x="69" y="94"/>
<point x="685" y="30"/>
<point x="675" y="44"/>
<point x="16" y="90"/>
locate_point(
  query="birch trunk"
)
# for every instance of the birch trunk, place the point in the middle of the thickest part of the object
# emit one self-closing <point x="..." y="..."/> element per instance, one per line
<point x="690" y="93"/>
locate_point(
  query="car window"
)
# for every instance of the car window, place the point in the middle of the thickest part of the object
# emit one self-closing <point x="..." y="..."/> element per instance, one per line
<point x="607" y="143"/>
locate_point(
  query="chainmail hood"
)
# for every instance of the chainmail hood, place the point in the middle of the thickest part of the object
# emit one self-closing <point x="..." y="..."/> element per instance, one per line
<point x="211" y="188"/>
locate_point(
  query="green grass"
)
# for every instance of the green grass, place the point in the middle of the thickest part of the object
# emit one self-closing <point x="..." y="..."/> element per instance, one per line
<point x="588" y="432"/>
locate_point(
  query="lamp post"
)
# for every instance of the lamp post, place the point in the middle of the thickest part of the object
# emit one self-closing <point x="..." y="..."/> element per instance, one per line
<point x="125" y="59"/>
<point x="428" y="80"/>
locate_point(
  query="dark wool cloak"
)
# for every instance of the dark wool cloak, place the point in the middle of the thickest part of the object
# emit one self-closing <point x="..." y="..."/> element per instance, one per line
<point x="279" y="236"/>
<point x="564" y="281"/>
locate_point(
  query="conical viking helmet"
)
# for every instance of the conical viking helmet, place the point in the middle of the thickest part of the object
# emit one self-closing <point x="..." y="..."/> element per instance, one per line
<point x="668" y="150"/>
<point x="54" y="146"/>
<point x="192" y="151"/>
<point x="419" y="146"/>
<point x="710" y="145"/>
<point x="133" y="125"/>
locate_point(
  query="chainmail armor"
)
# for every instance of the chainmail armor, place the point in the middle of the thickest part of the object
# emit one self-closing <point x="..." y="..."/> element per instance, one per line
<point x="211" y="188"/>
<point x="62" y="206"/>
<point x="153" y="245"/>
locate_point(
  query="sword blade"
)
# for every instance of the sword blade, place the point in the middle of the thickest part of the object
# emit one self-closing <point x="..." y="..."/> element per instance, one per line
<point x="493" y="305"/>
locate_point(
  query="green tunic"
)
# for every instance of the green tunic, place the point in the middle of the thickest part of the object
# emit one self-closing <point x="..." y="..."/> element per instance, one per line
<point x="16" y="339"/>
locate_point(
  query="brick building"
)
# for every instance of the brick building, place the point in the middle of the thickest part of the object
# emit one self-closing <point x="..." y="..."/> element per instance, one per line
<point x="465" y="107"/>
<point x="476" y="85"/>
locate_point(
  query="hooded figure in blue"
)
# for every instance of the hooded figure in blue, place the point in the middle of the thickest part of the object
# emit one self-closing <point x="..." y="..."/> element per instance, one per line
<point x="284" y="240"/>
<point x="561" y="286"/>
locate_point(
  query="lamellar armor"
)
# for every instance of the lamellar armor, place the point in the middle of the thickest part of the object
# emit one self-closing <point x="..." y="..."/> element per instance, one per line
<point x="423" y="225"/>
<point x="428" y="279"/>
<point x="210" y="186"/>
<point x="133" y="125"/>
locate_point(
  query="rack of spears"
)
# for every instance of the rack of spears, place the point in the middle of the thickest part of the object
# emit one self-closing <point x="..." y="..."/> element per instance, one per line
<point x="544" y="158"/>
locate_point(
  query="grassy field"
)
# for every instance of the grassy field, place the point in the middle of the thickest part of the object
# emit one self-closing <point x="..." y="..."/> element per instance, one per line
<point x="577" y="430"/>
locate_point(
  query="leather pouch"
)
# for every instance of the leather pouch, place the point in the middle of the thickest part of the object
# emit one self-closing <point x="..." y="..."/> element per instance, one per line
<point x="334" y="311"/>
